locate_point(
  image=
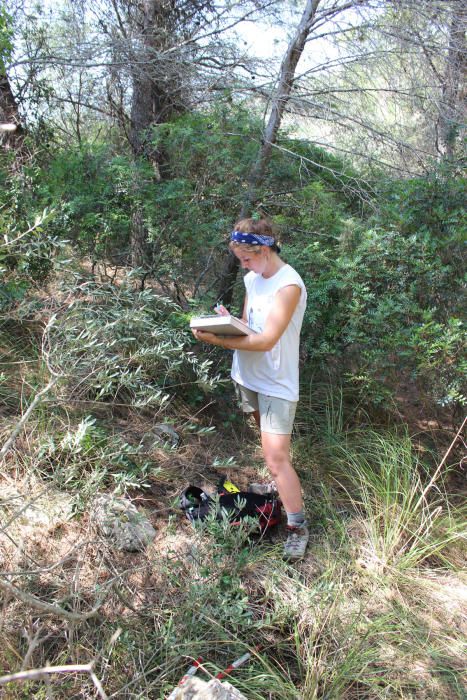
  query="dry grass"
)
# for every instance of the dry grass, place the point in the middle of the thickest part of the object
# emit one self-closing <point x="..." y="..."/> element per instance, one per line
<point x="343" y="623"/>
<point x="328" y="627"/>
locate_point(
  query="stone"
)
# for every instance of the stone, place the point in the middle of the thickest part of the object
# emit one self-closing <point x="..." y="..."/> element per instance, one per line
<point x="36" y="507"/>
<point x="122" y="523"/>
<point x="165" y="433"/>
<point x="197" y="689"/>
<point x="160" y="436"/>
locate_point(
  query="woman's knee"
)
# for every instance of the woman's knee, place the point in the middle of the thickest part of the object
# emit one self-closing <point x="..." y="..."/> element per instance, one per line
<point x="276" y="451"/>
<point x="277" y="463"/>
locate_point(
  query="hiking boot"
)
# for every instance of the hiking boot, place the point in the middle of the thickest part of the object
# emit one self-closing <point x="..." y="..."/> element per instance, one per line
<point x="263" y="489"/>
<point x="296" y="543"/>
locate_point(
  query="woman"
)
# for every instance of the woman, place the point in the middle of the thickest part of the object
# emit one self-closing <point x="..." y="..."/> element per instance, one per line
<point x="265" y="364"/>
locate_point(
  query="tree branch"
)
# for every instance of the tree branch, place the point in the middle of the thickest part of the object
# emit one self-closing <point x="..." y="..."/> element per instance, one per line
<point x="42" y="673"/>
<point x="48" y="608"/>
<point x="22" y="422"/>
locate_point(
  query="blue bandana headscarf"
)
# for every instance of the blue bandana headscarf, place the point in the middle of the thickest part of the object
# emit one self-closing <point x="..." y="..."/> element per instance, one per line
<point x="251" y="238"/>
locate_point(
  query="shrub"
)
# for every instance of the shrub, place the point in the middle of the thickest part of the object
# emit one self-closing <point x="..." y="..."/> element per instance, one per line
<point x="118" y="345"/>
<point x="385" y="301"/>
<point x="27" y="256"/>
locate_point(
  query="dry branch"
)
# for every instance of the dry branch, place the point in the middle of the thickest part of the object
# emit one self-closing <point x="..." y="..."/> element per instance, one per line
<point x="42" y="673"/>
<point x="24" y="418"/>
<point x="48" y="608"/>
<point x="440" y="465"/>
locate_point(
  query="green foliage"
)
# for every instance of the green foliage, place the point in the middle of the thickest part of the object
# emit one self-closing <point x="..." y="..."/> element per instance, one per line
<point x="313" y="215"/>
<point x="384" y="284"/>
<point x="115" y="344"/>
<point x="95" y="191"/>
<point x="226" y="552"/>
<point x="6" y="36"/>
<point x="208" y="158"/>
<point x="27" y="257"/>
<point x="298" y="164"/>
<point x="387" y="300"/>
<point x="190" y="199"/>
<point x="86" y="457"/>
<point x="432" y="208"/>
<point x="441" y="359"/>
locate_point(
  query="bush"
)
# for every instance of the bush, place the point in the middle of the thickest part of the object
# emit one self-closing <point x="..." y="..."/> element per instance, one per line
<point x="96" y="190"/>
<point x="119" y="345"/>
<point x="27" y="256"/>
<point x="385" y="302"/>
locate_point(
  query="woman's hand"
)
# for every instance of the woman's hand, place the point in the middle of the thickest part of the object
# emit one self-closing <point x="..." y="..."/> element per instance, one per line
<point x="205" y="337"/>
<point x="221" y="310"/>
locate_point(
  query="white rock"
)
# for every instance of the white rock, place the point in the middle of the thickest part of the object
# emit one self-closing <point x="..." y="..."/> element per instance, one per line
<point x="197" y="689"/>
<point x="35" y="507"/>
<point x="122" y="523"/>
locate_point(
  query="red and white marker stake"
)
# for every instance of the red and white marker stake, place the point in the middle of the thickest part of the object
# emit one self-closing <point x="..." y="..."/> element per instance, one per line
<point x="239" y="662"/>
<point x="191" y="671"/>
<point x="222" y="674"/>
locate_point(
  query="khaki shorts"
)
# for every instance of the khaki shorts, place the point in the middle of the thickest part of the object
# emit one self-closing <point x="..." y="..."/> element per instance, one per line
<point x="276" y="415"/>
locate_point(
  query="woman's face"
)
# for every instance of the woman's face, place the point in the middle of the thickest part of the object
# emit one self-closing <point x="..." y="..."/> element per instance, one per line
<point x="252" y="260"/>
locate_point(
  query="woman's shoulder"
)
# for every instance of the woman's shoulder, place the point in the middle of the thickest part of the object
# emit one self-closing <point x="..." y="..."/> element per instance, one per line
<point x="249" y="278"/>
<point x="291" y="276"/>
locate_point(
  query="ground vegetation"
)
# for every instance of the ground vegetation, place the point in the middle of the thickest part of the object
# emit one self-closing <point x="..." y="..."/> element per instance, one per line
<point x="103" y="389"/>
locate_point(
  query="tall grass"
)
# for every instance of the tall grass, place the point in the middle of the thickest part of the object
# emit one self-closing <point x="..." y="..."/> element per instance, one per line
<point x="407" y="518"/>
<point x="385" y="483"/>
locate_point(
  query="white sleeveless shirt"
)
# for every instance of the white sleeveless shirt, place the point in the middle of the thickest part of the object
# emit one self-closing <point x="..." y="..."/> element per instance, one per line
<point x="275" y="372"/>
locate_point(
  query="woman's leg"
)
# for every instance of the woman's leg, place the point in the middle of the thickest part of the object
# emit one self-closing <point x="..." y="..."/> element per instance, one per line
<point x="276" y="451"/>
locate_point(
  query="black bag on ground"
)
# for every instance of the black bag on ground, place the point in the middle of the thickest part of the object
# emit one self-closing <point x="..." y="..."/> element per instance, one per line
<point x="197" y="505"/>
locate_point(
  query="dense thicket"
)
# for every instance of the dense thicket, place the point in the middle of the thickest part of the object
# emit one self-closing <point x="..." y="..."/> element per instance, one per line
<point x="144" y="129"/>
<point x="382" y="262"/>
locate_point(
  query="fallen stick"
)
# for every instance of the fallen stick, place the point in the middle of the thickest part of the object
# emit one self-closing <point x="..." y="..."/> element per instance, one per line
<point x="440" y="465"/>
<point x="48" y="608"/>
<point x="43" y="673"/>
<point x="24" y="419"/>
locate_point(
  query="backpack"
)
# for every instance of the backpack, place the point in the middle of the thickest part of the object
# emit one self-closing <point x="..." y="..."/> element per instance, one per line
<point x="197" y="505"/>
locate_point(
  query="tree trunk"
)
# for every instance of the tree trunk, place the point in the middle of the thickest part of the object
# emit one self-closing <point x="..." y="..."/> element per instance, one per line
<point x="450" y="117"/>
<point x="143" y="107"/>
<point x="138" y="238"/>
<point x="144" y="112"/>
<point x="154" y="100"/>
<point x="11" y="131"/>
<point x="279" y="102"/>
<point x="157" y="86"/>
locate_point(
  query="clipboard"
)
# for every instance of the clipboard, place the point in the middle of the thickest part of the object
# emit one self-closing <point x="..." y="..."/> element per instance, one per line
<point x="221" y="325"/>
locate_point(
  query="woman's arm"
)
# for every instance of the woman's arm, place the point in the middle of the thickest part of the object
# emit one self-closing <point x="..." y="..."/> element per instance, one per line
<point x="245" y="310"/>
<point x="222" y="311"/>
<point x="285" y="303"/>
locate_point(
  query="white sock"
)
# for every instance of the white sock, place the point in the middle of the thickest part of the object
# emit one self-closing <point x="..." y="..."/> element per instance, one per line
<point x="296" y="519"/>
